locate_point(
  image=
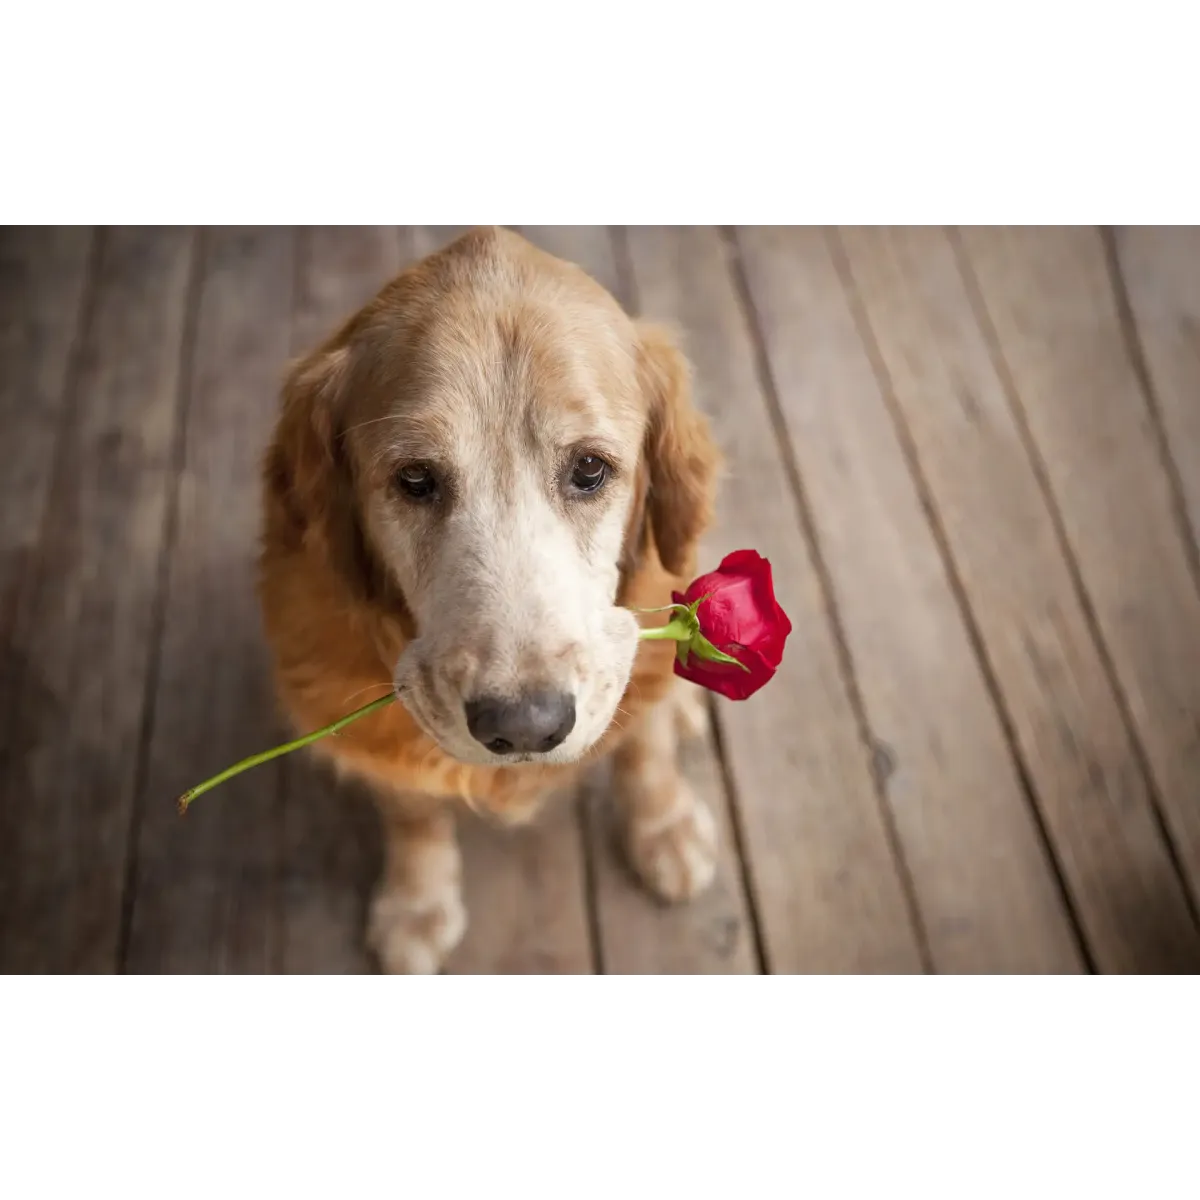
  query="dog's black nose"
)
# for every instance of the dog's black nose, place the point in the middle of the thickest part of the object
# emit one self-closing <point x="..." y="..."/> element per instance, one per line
<point x="533" y="724"/>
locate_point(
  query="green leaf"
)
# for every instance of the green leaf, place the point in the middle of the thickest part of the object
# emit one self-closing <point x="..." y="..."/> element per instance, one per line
<point x="707" y="651"/>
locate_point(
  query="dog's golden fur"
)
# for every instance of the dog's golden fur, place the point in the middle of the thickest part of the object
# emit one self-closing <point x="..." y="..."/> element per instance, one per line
<point x="339" y="614"/>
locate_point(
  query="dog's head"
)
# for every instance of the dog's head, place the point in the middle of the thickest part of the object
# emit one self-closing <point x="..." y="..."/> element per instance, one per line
<point x="490" y="446"/>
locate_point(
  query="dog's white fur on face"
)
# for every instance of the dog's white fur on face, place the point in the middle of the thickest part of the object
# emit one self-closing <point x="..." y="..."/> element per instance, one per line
<point x="509" y="602"/>
<point x="510" y="571"/>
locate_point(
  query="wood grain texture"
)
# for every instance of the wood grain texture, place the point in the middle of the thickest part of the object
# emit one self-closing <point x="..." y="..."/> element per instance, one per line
<point x="829" y="893"/>
<point x="1160" y="267"/>
<point x="1047" y="298"/>
<point x="990" y="539"/>
<point x="330" y="855"/>
<point x="714" y="933"/>
<point x="43" y="276"/>
<point x="984" y="883"/>
<point x="206" y="888"/>
<point x="79" y="664"/>
<point x="959" y="428"/>
<point x="525" y="897"/>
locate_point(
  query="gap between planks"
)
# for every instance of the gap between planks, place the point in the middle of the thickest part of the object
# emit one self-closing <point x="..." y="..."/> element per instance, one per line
<point x="978" y="643"/>
<point x="1155" y="747"/>
<point x="808" y="527"/>
<point x="159" y="612"/>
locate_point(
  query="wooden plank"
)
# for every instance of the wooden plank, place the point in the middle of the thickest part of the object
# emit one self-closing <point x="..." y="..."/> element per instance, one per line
<point x="206" y="888"/>
<point x="43" y="273"/>
<point x="1160" y="267"/>
<point x="1080" y="758"/>
<point x="1049" y="304"/>
<point x="714" y="933"/>
<point x="524" y="892"/>
<point x="983" y="880"/>
<point x="830" y="895"/>
<point x="85" y="650"/>
<point x="339" y="268"/>
<point x="330" y="855"/>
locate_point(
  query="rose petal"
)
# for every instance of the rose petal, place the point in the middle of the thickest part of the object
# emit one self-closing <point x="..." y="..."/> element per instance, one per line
<point x="726" y="679"/>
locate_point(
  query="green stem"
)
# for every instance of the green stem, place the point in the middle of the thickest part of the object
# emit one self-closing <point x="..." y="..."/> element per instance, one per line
<point x="674" y="631"/>
<point x="258" y="759"/>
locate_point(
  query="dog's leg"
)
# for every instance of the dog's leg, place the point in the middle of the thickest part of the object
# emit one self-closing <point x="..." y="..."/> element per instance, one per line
<point x="417" y="914"/>
<point x="669" y="833"/>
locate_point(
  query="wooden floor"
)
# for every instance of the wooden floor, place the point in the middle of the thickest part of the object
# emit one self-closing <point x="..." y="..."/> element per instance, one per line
<point x="973" y="458"/>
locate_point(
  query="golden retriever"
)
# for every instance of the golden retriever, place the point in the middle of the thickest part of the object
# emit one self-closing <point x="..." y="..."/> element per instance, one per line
<point x="469" y="486"/>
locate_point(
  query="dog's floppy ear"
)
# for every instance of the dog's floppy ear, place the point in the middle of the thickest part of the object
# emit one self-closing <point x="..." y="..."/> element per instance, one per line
<point x="309" y="489"/>
<point x="681" y="457"/>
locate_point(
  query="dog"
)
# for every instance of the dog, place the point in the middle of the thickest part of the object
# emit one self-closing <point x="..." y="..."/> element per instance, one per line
<point x="469" y="486"/>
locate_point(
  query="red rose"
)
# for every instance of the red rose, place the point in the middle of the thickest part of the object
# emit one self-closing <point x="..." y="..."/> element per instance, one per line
<point x="738" y="616"/>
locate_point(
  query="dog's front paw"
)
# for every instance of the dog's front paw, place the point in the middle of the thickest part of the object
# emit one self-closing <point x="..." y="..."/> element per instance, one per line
<point x="413" y="935"/>
<point x="674" y="853"/>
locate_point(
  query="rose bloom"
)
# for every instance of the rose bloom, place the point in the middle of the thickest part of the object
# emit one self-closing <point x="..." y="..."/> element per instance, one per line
<point x="741" y="618"/>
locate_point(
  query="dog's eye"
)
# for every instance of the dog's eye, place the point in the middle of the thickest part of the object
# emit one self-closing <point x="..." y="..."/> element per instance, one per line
<point x="416" y="481"/>
<point x="589" y="473"/>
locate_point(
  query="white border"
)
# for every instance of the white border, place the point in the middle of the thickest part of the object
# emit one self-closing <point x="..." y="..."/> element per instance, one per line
<point x="822" y="1087"/>
<point x="597" y="114"/>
